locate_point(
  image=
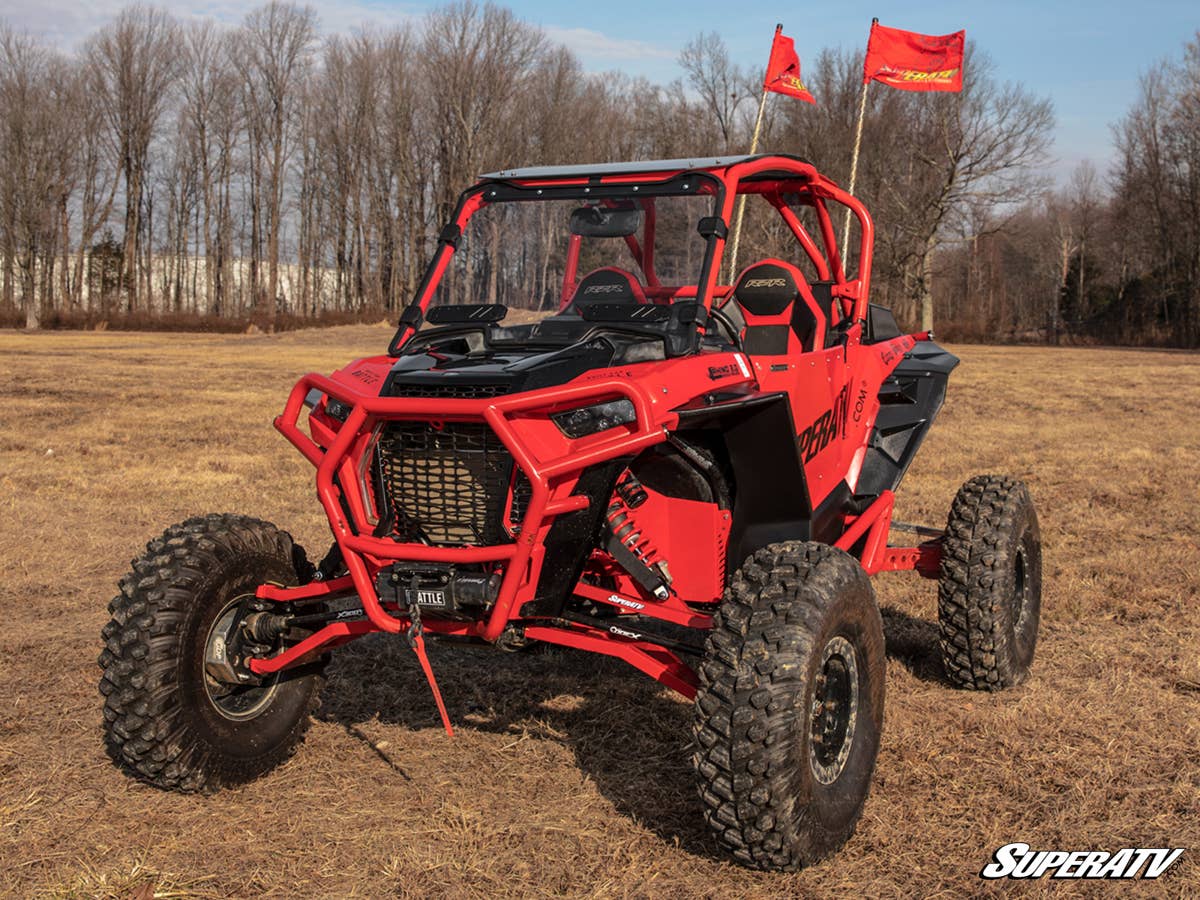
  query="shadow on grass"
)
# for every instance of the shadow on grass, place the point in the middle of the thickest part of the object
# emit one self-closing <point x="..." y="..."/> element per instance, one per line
<point x="630" y="736"/>
<point x="913" y="643"/>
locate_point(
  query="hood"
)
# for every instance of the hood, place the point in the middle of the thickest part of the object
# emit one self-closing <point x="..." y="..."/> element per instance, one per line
<point x="493" y="372"/>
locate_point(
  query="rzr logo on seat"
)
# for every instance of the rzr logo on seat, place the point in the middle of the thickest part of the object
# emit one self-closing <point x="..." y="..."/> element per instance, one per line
<point x="603" y="289"/>
<point x="765" y="283"/>
<point x="829" y="425"/>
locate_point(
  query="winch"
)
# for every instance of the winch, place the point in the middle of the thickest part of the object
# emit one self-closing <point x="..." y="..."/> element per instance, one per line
<point x="448" y="589"/>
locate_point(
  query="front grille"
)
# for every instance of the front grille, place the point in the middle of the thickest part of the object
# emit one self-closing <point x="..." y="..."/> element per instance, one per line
<point x="449" y="391"/>
<point x="443" y="484"/>
<point x="521" y="495"/>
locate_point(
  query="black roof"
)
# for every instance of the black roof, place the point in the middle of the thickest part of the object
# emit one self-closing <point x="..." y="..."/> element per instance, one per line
<point x="625" y="168"/>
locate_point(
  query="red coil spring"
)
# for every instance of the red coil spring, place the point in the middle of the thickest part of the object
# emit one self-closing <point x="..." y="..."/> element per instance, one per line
<point x="627" y="497"/>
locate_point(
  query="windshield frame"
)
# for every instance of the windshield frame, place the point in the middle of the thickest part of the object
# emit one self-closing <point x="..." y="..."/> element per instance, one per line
<point x="485" y="193"/>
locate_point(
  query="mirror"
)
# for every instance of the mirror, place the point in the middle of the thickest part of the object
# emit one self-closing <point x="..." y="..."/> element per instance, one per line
<point x="597" y="221"/>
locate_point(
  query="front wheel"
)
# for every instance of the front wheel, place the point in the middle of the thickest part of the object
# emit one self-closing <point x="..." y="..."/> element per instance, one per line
<point x="789" y="709"/>
<point x="180" y="710"/>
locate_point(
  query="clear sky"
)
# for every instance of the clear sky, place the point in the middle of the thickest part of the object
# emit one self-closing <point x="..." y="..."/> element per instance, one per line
<point x="1087" y="59"/>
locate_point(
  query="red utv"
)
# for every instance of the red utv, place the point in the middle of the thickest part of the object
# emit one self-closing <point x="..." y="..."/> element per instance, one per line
<point x="693" y="474"/>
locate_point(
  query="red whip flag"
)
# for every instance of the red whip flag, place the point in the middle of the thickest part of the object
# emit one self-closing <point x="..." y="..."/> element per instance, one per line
<point x="783" y="69"/>
<point x="914" y="62"/>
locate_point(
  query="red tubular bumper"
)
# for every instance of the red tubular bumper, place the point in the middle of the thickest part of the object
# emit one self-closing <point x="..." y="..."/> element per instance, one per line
<point x="362" y="552"/>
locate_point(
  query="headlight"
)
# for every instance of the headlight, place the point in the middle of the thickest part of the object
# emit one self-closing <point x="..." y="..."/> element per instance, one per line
<point x="577" y="423"/>
<point x="335" y="409"/>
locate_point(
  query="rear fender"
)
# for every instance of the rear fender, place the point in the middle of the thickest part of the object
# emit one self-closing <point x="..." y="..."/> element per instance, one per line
<point x="909" y="400"/>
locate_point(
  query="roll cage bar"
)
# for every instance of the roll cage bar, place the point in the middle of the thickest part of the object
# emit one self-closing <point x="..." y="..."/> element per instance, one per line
<point x="783" y="180"/>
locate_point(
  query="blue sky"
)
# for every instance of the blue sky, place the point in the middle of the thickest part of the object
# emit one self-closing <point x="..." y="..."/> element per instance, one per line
<point x="1087" y="62"/>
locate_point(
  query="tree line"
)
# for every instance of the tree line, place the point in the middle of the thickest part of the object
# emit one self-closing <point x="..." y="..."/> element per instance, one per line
<point x="189" y="173"/>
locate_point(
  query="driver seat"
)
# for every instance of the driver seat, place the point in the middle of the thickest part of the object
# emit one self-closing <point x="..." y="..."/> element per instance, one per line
<point x="777" y="307"/>
<point x="605" y="285"/>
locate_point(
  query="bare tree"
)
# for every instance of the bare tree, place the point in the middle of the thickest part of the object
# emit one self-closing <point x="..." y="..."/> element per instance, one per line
<point x="134" y="64"/>
<point x="274" y="49"/>
<point x="983" y="145"/>
<point x="240" y="151"/>
<point x="37" y="146"/>
<point x="210" y="111"/>
<point x="477" y="64"/>
<point x="721" y="84"/>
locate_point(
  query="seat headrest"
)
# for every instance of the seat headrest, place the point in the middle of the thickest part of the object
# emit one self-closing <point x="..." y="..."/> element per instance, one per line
<point x="766" y="288"/>
<point x="609" y="285"/>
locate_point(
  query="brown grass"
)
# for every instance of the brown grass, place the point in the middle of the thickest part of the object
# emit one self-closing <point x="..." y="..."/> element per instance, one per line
<point x="570" y="773"/>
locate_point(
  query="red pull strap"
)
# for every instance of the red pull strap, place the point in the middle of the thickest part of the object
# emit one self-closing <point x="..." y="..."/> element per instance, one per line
<point x="418" y="645"/>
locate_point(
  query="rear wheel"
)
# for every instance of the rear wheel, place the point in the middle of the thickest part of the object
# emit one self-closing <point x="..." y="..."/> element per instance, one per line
<point x="181" y="711"/>
<point x="789" y="710"/>
<point x="990" y="590"/>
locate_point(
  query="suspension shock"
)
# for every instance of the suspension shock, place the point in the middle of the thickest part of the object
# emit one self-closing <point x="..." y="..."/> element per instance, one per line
<point x="622" y="525"/>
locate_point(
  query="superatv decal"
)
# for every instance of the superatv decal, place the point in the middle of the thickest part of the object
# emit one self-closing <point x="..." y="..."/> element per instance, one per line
<point x="618" y="600"/>
<point x="860" y="402"/>
<point x="601" y="374"/>
<point x="1018" y="860"/>
<point x="829" y="425"/>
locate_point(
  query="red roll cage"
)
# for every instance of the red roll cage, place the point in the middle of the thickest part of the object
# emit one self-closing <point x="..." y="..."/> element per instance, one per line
<point x="784" y="181"/>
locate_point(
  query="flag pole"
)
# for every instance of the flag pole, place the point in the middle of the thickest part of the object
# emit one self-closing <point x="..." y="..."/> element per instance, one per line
<point x="741" y="207"/>
<point x="862" y="113"/>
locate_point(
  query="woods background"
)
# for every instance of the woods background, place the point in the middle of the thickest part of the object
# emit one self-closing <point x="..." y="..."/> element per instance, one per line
<point x="186" y="174"/>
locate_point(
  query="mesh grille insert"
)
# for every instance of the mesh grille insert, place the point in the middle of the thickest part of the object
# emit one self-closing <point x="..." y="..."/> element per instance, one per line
<point x="445" y="484"/>
<point x="521" y="495"/>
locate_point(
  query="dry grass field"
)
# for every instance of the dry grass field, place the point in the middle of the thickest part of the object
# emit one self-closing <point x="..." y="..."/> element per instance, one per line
<point x="569" y="775"/>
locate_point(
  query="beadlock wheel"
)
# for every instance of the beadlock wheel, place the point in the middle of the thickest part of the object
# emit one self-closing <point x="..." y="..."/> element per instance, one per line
<point x="834" y="711"/>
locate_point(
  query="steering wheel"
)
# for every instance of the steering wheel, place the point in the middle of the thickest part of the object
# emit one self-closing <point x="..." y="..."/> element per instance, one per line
<point x="718" y="316"/>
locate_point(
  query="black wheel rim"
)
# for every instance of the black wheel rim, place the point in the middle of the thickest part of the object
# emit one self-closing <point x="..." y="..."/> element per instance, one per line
<point x="1021" y="590"/>
<point x="834" y="710"/>
<point x="1024" y="598"/>
<point x="233" y="700"/>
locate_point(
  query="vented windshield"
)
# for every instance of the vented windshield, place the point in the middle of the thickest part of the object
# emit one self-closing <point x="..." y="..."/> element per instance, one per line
<point x="546" y="254"/>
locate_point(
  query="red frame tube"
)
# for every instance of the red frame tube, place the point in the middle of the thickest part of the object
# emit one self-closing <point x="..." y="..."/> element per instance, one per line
<point x="801" y="234"/>
<point x="659" y="663"/>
